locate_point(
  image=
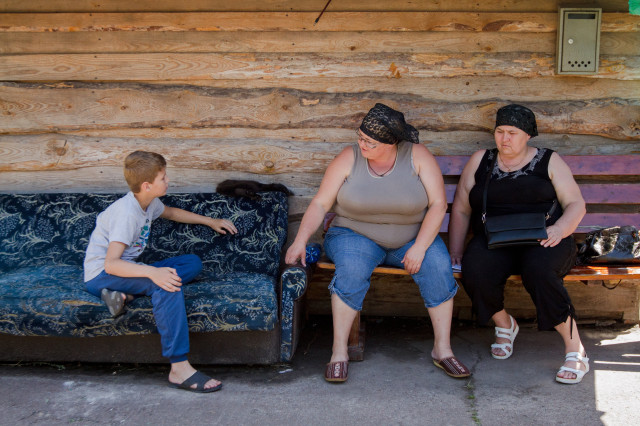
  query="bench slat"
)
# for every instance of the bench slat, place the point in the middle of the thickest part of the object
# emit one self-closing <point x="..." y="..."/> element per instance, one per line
<point x="593" y="193"/>
<point x="581" y="165"/>
<point x="578" y="273"/>
<point x="611" y="193"/>
<point x="589" y="222"/>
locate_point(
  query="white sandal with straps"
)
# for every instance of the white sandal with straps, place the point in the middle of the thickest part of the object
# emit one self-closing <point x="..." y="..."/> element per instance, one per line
<point x="577" y="357"/>
<point x="506" y="333"/>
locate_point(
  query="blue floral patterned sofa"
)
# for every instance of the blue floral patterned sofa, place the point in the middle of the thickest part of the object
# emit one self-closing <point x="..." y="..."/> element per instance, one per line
<point x="243" y="308"/>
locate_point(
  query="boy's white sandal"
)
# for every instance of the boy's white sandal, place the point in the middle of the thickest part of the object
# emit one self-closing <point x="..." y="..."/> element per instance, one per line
<point x="506" y="333"/>
<point x="577" y="357"/>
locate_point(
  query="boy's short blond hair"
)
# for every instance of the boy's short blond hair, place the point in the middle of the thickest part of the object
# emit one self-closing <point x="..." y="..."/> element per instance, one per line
<point x="141" y="167"/>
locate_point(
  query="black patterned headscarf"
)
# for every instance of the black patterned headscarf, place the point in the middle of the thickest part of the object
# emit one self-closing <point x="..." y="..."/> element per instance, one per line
<point x="517" y="116"/>
<point x="386" y="125"/>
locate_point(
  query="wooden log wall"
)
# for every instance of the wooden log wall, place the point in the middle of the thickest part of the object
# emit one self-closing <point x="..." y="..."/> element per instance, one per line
<point x="257" y="89"/>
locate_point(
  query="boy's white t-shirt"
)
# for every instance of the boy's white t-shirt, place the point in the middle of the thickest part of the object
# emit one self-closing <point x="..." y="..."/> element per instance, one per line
<point x="123" y="221"/>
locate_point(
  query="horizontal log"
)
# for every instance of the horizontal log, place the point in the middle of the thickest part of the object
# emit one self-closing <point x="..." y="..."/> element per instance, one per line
<point x="298" y="6"/>
<point x="438" y="142"/>
<point x="305" y="42"/>
<point x="80" y="106"/>
<point x="259" y="156"/>
<point x="105" y="179"/>
<point x="298" y="42"/>
<point x="247" y="156"/>
<point x="538" y="22"/>
<point x="469" y="88"/>
<point x="204" y="66"/>
<point x="72" y="151"/>
<point x="280" y="21"/>
<point x="263" y="154"/>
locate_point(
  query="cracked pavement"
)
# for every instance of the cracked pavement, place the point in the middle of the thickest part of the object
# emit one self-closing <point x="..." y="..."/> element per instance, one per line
<point x="396" y="384"/>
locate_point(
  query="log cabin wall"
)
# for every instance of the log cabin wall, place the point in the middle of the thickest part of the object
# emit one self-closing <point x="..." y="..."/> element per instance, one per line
<point x="256" y="89"/>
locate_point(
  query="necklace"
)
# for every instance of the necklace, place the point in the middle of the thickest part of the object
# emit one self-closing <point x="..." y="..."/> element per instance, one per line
<point x="515" y="166"/>
<point x="383" y="173"/>
<point x="386" y="171"/>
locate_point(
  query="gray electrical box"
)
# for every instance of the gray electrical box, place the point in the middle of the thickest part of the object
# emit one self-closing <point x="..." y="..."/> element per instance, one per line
<point x="578" y="40"/>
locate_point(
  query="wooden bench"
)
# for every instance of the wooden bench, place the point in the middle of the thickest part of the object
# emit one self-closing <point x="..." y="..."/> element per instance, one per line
<point x="610" y="186"/>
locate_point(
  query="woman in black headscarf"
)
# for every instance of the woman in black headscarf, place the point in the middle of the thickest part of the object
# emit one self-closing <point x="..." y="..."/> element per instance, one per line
<point x="523" y="179"/>
<point x="388" y="194"/>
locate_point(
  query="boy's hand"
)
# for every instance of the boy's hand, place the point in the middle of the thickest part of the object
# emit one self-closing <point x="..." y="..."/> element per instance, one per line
<point x="166" y="278"/>
<point x="222" y="226"/>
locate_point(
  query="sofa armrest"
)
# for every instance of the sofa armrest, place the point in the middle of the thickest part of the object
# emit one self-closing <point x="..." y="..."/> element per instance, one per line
<point x="294" y="280"/>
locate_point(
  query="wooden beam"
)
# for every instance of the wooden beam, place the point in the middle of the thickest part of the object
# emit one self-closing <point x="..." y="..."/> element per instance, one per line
<point x="81" y="106"/>
<point x="281" y="21"/>
<point x="298" y="42"/>
<point x="539" y="22"/>
<point x="470" y="88"/>
<point x="298" y="6"/>
<point x="203" y="66"/>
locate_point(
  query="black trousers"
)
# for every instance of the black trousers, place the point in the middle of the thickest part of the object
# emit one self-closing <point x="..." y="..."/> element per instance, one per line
<point x="485" y="272"/>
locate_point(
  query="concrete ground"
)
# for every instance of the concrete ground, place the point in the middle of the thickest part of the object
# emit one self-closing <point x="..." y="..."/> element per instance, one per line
<point x="396" y="384"/>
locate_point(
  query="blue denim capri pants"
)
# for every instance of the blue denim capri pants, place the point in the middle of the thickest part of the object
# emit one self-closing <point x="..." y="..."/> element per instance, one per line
<point x="356" y="256"/>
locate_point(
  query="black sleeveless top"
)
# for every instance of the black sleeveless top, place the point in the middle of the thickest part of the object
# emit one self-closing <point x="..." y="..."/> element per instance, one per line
<point x="528" y="190"/>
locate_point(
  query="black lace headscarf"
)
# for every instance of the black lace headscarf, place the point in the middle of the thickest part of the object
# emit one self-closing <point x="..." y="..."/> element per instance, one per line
<point x="386" y="125"/>
<point x="517" y="116"/>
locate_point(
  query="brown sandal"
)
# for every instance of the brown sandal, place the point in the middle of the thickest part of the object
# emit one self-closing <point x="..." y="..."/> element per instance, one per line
<point x="337" y="371"/>
<point x="453" y="367"/>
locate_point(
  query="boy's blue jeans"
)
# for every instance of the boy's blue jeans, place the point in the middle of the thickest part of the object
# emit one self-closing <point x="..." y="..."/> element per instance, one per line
<point x="356" y="256"/>
<point x="168" y="307"/>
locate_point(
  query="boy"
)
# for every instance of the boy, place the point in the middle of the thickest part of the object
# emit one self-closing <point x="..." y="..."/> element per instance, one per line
<point x="120" y="236"/>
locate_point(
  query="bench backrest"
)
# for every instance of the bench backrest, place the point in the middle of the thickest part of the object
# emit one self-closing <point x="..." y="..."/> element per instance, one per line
<point x="610" y="185"/>
<point x="54" y="229"/>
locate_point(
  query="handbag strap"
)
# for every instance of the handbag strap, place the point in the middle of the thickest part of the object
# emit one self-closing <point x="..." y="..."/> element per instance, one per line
<point x="486" y="189"/>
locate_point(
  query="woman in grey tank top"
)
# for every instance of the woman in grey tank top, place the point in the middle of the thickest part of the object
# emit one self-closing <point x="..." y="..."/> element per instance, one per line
<point x="388" y="195"/>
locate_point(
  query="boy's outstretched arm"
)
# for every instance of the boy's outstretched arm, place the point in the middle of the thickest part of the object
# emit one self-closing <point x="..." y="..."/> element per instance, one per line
<point x="165" y="278"/>
<point x="219" y="225"/>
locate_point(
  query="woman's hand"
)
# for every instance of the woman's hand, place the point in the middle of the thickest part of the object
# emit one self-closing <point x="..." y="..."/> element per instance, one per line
<point x="413" y="259"/>
<point x="221" y="226"/>
<point x="297" y="250"/>
<point x="456" y="259"/>
<point x="554" y="236"/>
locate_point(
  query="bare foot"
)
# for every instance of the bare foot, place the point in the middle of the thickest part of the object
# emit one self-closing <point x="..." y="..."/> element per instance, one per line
<point x="499" y="351"/>
<point x="181" y="371"/>
<point x="441" y="353"/>
<point x="338" y="357"/>
<point x="577" y="365"/>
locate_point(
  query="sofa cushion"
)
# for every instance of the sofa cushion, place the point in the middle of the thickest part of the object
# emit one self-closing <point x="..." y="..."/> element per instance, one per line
<point x="47" y="229"/>
<point x="52" y="300"/>
<point x="54" y="229"/>
<point x="257" y="247"/>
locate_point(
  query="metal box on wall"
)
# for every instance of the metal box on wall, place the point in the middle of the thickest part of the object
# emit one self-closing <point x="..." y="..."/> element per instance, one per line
<point x="578" y="40"/>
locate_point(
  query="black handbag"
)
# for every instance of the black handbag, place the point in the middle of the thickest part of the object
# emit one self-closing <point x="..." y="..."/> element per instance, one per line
<point x="519" y="229"/>
<point x="615" y="245"/>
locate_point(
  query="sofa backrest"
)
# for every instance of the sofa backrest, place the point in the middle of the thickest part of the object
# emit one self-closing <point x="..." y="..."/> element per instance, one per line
<point x="45" y="229"/>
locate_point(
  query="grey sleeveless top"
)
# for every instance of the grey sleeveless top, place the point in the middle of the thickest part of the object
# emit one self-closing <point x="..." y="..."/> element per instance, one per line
<point x="388" y="210"/>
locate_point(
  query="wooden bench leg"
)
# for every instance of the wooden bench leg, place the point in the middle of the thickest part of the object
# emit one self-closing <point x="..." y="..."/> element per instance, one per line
<point x="356" y="340"/>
